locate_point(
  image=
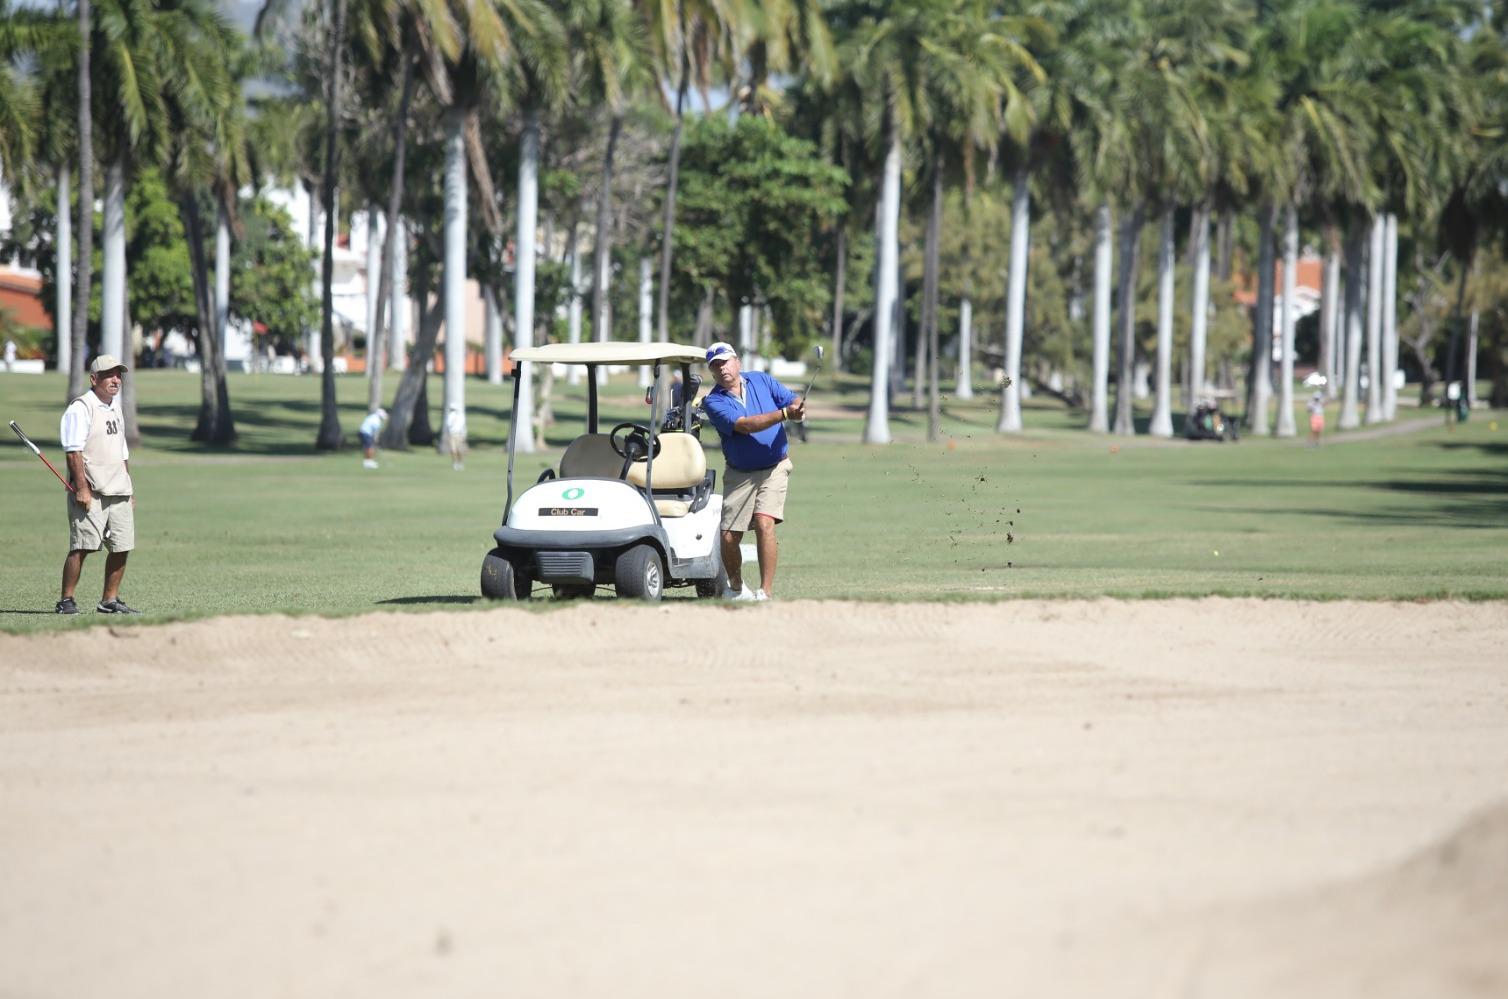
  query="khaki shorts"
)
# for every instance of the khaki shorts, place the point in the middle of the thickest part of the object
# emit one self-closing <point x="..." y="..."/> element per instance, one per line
<point x="748" y="493"/>
<point x="108" y="522"/>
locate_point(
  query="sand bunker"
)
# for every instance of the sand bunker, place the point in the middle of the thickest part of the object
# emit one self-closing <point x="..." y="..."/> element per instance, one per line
<point x="1184" y="798"/>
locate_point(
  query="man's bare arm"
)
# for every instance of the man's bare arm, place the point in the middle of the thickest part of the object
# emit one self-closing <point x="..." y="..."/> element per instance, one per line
<point x="764" y="421"/>
<point x="82" y="491"/>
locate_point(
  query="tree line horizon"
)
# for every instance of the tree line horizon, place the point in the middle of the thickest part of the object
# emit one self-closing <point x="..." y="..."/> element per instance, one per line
<point x="1084" y="179"/>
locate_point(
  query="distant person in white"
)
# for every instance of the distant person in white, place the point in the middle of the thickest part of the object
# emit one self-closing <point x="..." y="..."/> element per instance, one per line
<point x="455" y="435"/>
<point x="102" y="506"/>
<point x="370" y="428"/>
<point x="10" y="355"/>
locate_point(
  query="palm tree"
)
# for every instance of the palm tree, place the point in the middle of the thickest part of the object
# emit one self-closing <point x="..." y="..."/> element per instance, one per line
<point x="882" y="48"/>
<point x="84" y="264"/>
<point x="329" y="437"/>
<point x="610" y="64"/>
<point x="540" y="83"/>
<point x="38" y="138"/>
<point x="693" y="40"/>
<point x="208" y="153"/>
<point x="1025" y="101"/>
<point x="1096" y="37"/>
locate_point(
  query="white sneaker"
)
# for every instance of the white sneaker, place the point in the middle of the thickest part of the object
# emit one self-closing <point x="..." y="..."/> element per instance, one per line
<point x="761" y="595"/>
<point x="742" y="594"/>
<point x="368" y="463"/>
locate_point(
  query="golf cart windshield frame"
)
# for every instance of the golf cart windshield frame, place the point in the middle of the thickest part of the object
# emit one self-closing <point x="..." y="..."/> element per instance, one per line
<point x="655" y="412"/>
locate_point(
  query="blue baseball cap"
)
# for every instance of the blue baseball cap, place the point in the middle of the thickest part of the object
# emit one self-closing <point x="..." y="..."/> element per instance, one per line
<point x="720" y="351"/>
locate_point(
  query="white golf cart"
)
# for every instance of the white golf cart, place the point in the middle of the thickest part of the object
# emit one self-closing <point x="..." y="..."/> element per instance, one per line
<point x="634" y="508"/>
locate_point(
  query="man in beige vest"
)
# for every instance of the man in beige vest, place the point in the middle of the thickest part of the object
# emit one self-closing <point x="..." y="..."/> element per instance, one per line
<point x="101" y="509"/>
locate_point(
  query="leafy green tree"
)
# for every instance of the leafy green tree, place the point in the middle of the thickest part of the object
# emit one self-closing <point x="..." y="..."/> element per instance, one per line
<point x="269" y="278"/>
<point x="754" y="203"/>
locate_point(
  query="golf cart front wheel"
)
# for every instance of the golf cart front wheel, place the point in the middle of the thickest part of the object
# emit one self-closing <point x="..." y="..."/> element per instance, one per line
<point x="639" y="574"/>
<point x="500" y="581"/>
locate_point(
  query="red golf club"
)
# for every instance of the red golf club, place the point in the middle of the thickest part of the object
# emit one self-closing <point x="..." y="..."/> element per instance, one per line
<point x="38" y="452"/>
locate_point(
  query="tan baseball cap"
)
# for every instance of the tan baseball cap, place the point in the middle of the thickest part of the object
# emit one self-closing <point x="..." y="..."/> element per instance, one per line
<point x="106" y="363"/>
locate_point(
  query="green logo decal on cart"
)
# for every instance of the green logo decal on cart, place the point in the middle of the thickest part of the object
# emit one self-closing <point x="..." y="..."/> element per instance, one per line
<point x="573" y="493"/>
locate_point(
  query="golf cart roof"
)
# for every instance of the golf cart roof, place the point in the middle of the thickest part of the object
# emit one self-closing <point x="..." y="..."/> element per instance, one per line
<point x="610" y="353"/>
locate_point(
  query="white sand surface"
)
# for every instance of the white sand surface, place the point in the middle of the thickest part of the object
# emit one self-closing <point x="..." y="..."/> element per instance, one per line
<point x="1218" y="798"/>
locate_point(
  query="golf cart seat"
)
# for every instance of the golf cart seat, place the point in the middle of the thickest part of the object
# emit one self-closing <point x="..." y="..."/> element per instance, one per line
<point x="682" y="482"/>
<point x="590" y="456"/>
<point x="680" y="475"/>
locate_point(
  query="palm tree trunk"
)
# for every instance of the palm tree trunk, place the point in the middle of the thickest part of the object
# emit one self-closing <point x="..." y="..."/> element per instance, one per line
<point x="453" y="295"/>
<point x="667" y="244"/>
<point x="1355" y="252"/>
<point x="1471" y="356"/>
<point x="84" y="265"/>
<point x="963" y="386"/>
<point x="919" y="361"/>
<point x="409" y="411"/>
<point x="523" y="274"/>
<point x="1125" y="389"/>
<point x="222" y="281"/>
<point x="1453" y="343"/>
<point x="492" y="335"/>
<point x="898" y="331"/>
<point x="382" y="349"/>
<point x="1285" y="426"/>
<point x="602" y="264"/>
<point x="887" y="223"/>
<point x="931" y="267"/>
<point x="1374" y="322"/>
<point x="1015" y="300"/>
<point x="373" y="291"/>
<point x="400" y="304"/>
<point x="573" y="310"/>
<point x="1103" y="268"/>
<point x="646" y="306"/>
<point x="1390" y="316"/>
<point x="1162" y="410"/>
<point x="215" y="425"/>
<point x="1330" y="311"/>
<point x="703" y="335"/>
<point x="113" y="277"/>
<point x="840" y="284"/>
<point x="1199" y="242"/>
<point x="62" y="251"/>
<point x="1259" y="372"/>
<point x="329" y="437"/>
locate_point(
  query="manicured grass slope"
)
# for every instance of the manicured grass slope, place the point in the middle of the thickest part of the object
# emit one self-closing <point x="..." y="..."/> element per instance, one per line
<point x="272" y="526"/>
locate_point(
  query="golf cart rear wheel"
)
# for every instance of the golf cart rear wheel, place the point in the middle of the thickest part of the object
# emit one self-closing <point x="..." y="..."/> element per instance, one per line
<point x="639" y="575"/>
<point x="718" y="584"/>
<point x="500" y="581"/>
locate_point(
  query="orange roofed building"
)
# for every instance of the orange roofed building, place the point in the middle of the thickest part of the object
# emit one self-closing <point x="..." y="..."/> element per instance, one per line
<point x="21" y="298"/>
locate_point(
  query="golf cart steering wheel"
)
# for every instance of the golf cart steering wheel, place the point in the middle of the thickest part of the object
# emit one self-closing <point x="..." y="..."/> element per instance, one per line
<point x="634" y="445"/>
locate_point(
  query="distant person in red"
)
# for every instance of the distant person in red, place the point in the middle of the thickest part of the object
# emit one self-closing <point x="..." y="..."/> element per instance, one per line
<point x="1316" y="418"/>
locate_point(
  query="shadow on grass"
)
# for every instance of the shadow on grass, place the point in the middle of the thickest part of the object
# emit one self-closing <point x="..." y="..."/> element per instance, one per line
<point x="12" y="610"/>
<point x="1494" y="448"/>
<point x="445" y="598"/>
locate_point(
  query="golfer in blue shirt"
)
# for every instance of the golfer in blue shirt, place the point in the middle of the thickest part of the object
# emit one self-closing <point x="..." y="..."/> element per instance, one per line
<point x="749" y="410"/>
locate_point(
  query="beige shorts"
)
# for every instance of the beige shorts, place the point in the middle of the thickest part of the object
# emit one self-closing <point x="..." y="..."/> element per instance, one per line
<point x="108" y="522"/>
<point x="748" y="493"/>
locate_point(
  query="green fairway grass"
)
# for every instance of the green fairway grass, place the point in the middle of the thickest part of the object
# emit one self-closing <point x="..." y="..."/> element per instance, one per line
<point x="271" y="526"/>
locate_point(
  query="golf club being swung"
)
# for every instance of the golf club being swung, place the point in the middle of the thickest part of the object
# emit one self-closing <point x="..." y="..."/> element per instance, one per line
<point x="821" y="355"/>
<point x="38" y="452"/>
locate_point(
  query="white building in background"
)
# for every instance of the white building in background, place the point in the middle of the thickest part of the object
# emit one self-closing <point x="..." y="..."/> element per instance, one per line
<point x="349" y="288"/>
